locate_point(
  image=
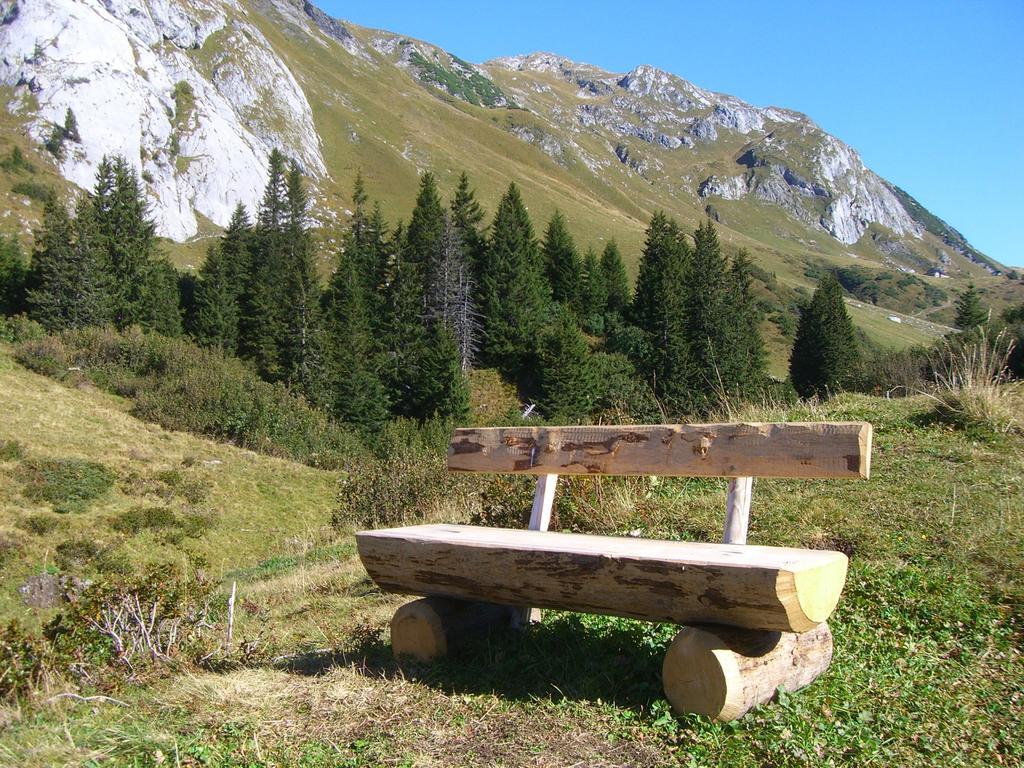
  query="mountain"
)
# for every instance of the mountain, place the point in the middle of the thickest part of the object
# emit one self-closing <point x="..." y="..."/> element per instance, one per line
<point x="196" y="93"/>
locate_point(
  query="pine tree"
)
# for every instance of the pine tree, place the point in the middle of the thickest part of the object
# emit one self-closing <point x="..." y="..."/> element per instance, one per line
<point x="713" y="367"/>
<point x="562" y="263"/>
<point x="69" y="282"/>
<point x="13" y="275"/>
<point x="659" y="309"/>
<point x="467" y="216"/>
<point x="301" y="346"/>
<point x="403" y="330"/>
<point x="215" y="322"/>
<point x="356" y="394"/>
<point x="970" y="314"/>
<point x="513" y="293"/>
<point x="442" y="389"/>
<point x="235" y="245"/>
<point x="263" y="323"/>
<point x="615" y="279"/>
<point x="161" y="298"/>
<point x="745" y="340"/>
<point x="825" y="352"/>
<point x="71" y="126"/>
<point x="127" y="234"/>
<point x="565" y="379"/>
<point x="423" y="235"/>
<point x="595" y="294"/>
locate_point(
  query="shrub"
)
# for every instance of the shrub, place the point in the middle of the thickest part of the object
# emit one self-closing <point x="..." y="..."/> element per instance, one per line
<point x="971" y="382"/>
<point x="40" y="525"/>
<point x="75" y="554"/>
<point x="138" y="519"/>
<point x="134" y="622"/>
<point x="69" y="485"/>
<point x="190" y="487"/>
<point x="23" y="662"/>
<point x="16" y="161"/>
<point x="11" y="450"/>
<point x="185" y="387"/>
<point x="401" y="489"/>
<point x="35" y="190"/>
<point x="19" y="329"/>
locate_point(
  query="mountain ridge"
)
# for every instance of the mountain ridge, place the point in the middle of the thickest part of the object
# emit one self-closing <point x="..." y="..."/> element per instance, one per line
<point x="205" y="88"/>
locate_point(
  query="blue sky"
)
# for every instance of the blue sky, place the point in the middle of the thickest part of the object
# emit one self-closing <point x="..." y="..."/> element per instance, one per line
<point x="931" y="94"/>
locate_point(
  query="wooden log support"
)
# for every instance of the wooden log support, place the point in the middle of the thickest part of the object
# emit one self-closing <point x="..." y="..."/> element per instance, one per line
<point x="811" y="449"/>
<point x="737" y="510"/>
<point x="432" y="627"/>
<point x="723" y="672"/>
<point x="681" y="582"/>
<point x="540" y="520"/>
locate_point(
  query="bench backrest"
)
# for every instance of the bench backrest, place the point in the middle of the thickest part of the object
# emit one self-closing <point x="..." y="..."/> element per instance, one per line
<point x="791" y="449"/>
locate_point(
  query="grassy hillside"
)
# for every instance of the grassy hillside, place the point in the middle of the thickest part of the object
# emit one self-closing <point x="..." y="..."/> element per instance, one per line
<point x="927" y="670"/>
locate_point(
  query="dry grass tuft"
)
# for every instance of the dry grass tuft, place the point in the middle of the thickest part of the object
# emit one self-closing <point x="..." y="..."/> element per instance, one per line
<point x="972" y="385"/>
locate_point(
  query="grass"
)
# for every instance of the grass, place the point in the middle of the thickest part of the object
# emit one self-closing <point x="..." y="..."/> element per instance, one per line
<point x="927" y="670"/>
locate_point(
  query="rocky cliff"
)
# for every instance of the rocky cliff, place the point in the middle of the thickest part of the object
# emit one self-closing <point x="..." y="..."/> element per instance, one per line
<point x="196" y="92"/>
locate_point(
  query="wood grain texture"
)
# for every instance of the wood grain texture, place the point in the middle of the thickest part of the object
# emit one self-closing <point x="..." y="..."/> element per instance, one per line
<point x="723" y="672"/>
<point x="746" y="586"/>
<point x="812" y="449"/>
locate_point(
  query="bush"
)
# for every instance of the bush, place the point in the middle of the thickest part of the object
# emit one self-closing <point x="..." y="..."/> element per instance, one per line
<point x="134" y="622"/>
<point x="76" y="554"/>
<point x="406" y="488"/>
<point x="35" y="190"/>
<point x="11" y="450"/>
<point x="177" y="526"/>
<point x="185" y="387"/>
<point x="23" y="662"/>
<point x="69" y="485"/>
<point x="20" y="329"/>
<point x="971" y="383"/>
<point x="16" y="161"/>
<point x="40" y="525"/>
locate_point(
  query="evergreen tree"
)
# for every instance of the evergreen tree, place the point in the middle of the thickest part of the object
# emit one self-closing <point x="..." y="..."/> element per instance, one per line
<point x="970" y="314"/>
<point x="442" y="389"/>
<point x="565" y="379"/>
<point x="423" y="235"/>
<point x="234" y="251"/>
<point x="13" y="274"/>
<point x="125" y="231"/>
<point x="71" y="126"/>
<point x="745" y="341"/>
<point x="595" y="294"/>
<point x="403" y="332"/>
<point x="513" y="294"/>
<point x="68" y="279"/>
<point x="263" y="322"/>
<point x="356" y="393"/>
<point x="825" y="352"/>
<point x="161" y="298"/>
<point x="215" y="322"/>
<point x="562" y="263"/>
<point x="467" y="216"/>
<point x="714" y="369"/>
<point x="301" y="346"/>
<point x="659" y="309"/>
<point x="615" y="279"/>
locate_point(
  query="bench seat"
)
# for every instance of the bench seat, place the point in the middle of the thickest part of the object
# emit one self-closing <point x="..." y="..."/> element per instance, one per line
<point x="756" y="587"/>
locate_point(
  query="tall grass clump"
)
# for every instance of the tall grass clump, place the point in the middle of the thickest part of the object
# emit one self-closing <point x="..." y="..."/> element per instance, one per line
<point x="971" y="384"/>
<point x="181" y="386"/>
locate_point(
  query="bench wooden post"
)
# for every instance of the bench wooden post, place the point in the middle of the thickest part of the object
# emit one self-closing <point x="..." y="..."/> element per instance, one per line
<point x="737" y="510"/>
<point x="540" y="520"/>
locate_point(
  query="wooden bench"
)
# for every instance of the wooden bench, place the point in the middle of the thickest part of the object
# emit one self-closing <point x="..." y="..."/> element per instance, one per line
<point x="755" y="616"/>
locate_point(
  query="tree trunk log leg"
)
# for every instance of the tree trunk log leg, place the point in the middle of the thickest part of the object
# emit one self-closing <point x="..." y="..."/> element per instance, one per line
<point x="723" y="672"/>
<point x="431" y="627"/>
